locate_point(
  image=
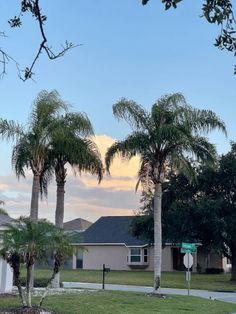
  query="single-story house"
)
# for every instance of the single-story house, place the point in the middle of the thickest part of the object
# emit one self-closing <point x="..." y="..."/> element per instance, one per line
<point x="78" y="225"/>
<point x="108" y="241"/>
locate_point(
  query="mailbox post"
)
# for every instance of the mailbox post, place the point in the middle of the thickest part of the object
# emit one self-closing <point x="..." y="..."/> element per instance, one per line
<point x="105" y="270"/>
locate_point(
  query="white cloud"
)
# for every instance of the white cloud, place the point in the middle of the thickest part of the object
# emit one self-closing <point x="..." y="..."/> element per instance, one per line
<point x="84" y="197"/>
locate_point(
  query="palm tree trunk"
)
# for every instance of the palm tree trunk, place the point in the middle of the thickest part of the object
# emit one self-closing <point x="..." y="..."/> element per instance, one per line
<point x="47" y="288"/>
<point x="28" y="281"/>
<point x="157" y="236"/>
<point x="59" y="216"/>
<point x="57" y="265"/>
<point x="15" y="264"/>
<point x="35" y="198"/>
<point x="34" y="208"/>
<point x="60" y="172"/>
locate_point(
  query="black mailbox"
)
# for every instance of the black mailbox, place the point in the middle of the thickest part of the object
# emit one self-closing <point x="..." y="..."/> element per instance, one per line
<point x="105" y="270"/>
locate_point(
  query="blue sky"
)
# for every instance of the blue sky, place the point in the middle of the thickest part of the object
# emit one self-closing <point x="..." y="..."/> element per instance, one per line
<point x="127" y="50"/>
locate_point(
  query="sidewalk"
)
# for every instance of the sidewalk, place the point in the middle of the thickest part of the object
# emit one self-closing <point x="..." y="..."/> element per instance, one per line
<point x="221" y="296"/>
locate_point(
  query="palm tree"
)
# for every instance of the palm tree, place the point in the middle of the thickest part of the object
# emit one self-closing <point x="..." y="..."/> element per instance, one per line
<point x="164" y="139"/>
<point x="32" y="144"/>
<point x="26" y="241"/>
<point x="71" y="145"/>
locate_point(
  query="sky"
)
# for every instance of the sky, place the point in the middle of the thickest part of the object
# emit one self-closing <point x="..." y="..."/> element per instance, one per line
<point x="124" y="50"/>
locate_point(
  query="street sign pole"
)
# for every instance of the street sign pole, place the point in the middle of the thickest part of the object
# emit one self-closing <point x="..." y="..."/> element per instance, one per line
<point x="188" y="263"/>
<point x="188" y="276"/>
<point x="188" y="248"/>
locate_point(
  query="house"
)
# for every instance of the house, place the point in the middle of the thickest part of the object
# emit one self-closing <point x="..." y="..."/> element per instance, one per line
<point x="78" y="225"/>
<point x="6" y="274"/>
<point x="108" y="241"/>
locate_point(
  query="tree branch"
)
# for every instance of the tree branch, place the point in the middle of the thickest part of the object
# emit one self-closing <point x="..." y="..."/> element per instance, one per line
<point x="33" y="7"/>
<point x="219" y="12"/>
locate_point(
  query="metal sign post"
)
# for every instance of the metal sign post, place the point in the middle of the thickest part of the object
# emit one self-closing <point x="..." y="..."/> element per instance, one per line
<point x="188" y="248"/>
<point x="188" y="263"/>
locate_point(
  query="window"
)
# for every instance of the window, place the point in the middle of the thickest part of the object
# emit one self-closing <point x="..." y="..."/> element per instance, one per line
<point x="138" y="255"/>
<point x="145" y="255"/>
<point x="135" y="255"/>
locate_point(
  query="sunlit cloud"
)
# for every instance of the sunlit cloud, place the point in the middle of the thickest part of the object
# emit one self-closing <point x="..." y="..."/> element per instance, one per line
<point x="84" y="197"/>
<point x="123" y="173"/>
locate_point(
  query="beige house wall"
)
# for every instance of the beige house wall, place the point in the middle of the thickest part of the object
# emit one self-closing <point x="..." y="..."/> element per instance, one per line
<point x="115" y="257"/>
<point x="167" y="259"/>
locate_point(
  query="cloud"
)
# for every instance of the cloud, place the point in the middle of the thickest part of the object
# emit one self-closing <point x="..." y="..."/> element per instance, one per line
<point x="123" y="173"/>
<point x="84" y="197"/>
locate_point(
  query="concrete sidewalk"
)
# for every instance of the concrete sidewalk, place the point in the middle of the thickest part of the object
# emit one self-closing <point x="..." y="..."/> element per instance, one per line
<point x="221" y="296"/>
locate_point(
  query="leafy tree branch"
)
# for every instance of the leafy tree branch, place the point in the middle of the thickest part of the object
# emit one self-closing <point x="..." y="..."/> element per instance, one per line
<point x="219" y="12"/>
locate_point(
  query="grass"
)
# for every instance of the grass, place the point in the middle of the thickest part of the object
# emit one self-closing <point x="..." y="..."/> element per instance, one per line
<point x="107" y="302"/>
<point x="145" y="278"/>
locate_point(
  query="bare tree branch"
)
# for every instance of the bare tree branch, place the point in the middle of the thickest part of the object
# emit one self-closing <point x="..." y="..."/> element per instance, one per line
<point x="33" y="7"/>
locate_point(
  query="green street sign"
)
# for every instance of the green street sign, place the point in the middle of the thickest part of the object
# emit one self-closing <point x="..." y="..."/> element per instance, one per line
<point x="188" y="247"/>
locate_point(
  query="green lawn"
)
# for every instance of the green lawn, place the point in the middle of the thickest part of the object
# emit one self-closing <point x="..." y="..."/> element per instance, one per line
<point x="144" y="278"/>
<point x="107" y="302"/>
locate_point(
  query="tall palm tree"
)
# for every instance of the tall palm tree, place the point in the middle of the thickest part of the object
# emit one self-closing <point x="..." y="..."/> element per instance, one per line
<point x="72" y="145"/>
<point x="31" y="149"/>
<point x="164" y="139"/>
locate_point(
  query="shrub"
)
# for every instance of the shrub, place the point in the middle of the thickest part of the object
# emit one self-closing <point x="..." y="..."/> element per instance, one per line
<point x="38" y="282"/>
<point x="213" y="270"/>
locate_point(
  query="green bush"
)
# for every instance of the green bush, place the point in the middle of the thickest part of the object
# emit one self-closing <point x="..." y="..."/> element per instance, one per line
<point x="213" y="270"/>
<point x="38" y="282"/>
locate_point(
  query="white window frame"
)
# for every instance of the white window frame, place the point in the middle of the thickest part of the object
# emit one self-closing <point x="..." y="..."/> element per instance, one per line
<point x="141" y="255"/>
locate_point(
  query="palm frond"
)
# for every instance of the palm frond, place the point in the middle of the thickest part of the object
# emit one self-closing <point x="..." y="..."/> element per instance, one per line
<point x="145" y="174"/>
<point x="79" y="123"/>
<point x="171" y="102"/>
<point x="201" y="149"/>
<point x="27" y="237"/>
<point x="204" y="121"/>
<point x="10" y="130"/>
<point x="133" y="145"/>
<point x="46" y="107"/>
<point x="134" y="114"/>
<point x="70" y="124"/>
<point x="46" y="178"/>
<point x="182" y="164"/>
<point x="21" y="156"/>
<point x="173" y="135"/>
<point x="86" y="158"/>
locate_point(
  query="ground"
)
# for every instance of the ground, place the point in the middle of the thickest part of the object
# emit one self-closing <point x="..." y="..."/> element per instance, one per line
<point x="145" y="278"/>
<point x="26" y="310"/>
<point x="107" y="302"/>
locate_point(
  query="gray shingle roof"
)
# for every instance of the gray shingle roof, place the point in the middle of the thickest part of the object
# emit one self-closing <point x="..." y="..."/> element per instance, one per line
<point x="78" y="224"/>
<point x="5" y="219"/>
<point x="111" y="229"/>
